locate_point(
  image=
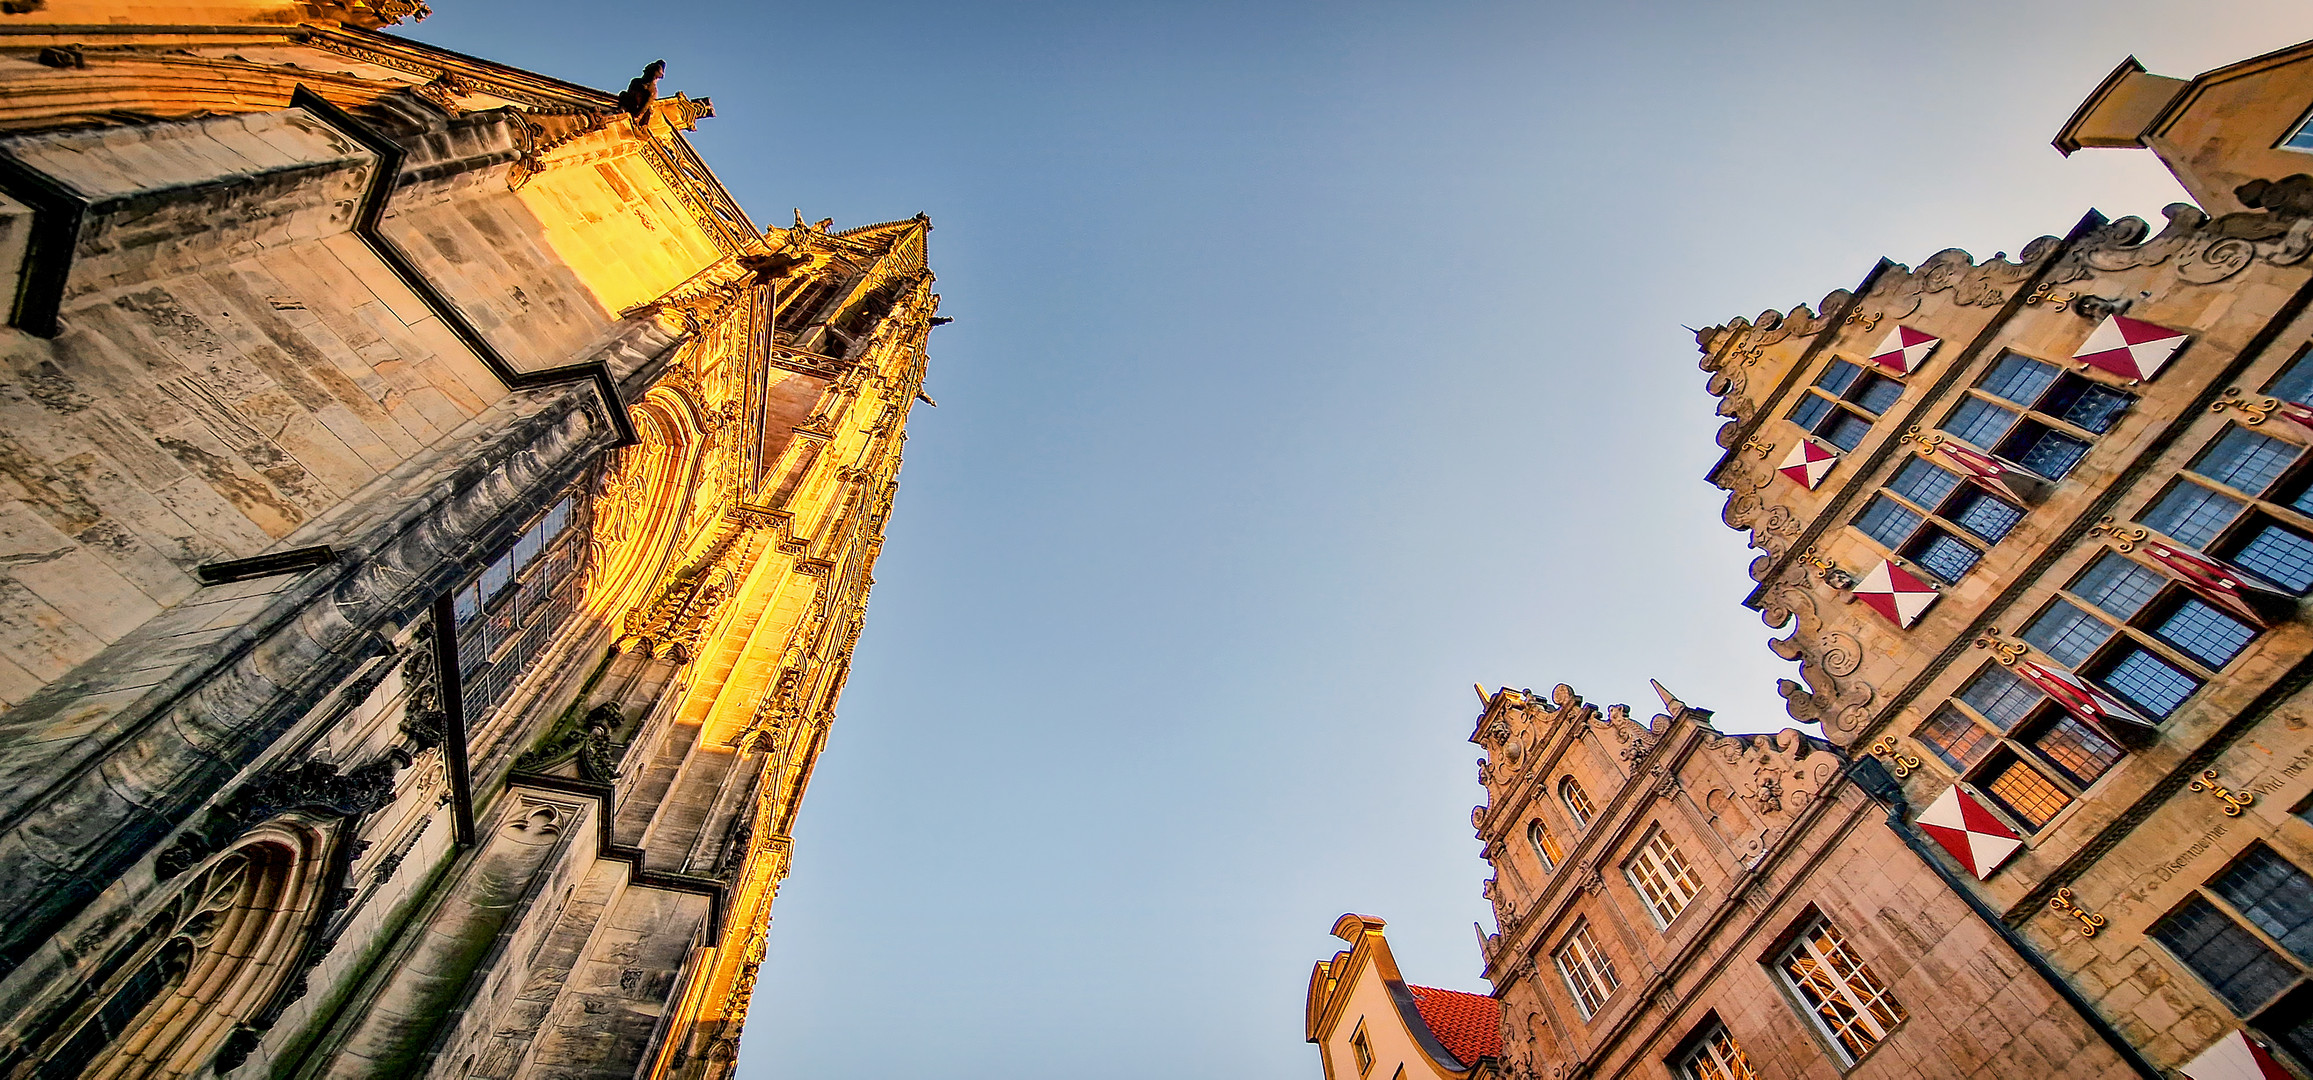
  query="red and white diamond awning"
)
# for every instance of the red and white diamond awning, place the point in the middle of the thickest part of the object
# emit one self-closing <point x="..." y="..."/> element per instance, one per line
<point x="1808" y="463"/>
<point x="2073" y="694"/>
<point x="1896" y="593"/>
<point x="2296" y="413"/>
<point x="1993" y="474"/>
<point x="1904" y="349"/>
<point x="1970" y="832"/>
<point x="2234" y="1057"/>
<point x="2222" y="585"/>
<point x="2130" y="348"/>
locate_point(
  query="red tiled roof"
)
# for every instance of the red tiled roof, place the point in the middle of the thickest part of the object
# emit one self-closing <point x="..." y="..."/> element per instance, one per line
<point x="1469" y="1024"/>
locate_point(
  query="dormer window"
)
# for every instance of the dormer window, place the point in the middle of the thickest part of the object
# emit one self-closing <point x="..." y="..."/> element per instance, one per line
<point x="1577" y="803"/>
<point x="2301" y="138"/>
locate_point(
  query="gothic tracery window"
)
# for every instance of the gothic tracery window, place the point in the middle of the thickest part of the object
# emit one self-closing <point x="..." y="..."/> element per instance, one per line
<point x="205" y="964"/>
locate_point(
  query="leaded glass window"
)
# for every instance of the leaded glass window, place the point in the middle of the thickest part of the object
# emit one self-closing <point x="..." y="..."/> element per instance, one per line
<point x="2192" y="515"/>
<point x="2232" y="961"/>
<point x="2001" y="696"/>
<point x="2275" y="896"/>
<point x="2245" y="461"/>
<point x="2036" y="414"/>
<point x="1844" y="402"/>
<point x="2067" y="634"/>
<point x="1956" y="738"/>
<point x="1900" y="518"/>
<point x="2205" y="633"/>
<point x="2024" y="793"/>
<point x="2117" y="585"/>
<point x="1887" y="521"/>
<point x="2075" y="749"/>
<point x="508" y="614"/>
<point x="2146" y="680"/>
<point x="2278" y="554"/>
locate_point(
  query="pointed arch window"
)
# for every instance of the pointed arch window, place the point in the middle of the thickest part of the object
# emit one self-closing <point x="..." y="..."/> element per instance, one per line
<point x="1577" y="804"/>
<point x="194" y="984"/>
<point x="1545" y="845"/>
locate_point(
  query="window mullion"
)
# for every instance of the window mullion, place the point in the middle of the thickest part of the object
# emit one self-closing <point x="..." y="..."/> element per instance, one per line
<point x="2250" y="925"/>
<point x="2168" y="652"/>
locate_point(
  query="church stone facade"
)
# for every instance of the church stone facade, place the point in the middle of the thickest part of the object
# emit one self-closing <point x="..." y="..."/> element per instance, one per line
<point x="2038" y="533"/>
<point x="435" y="522"/>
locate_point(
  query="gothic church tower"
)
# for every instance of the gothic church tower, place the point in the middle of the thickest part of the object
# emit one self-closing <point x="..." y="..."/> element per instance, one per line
<point x="435" y="522"/>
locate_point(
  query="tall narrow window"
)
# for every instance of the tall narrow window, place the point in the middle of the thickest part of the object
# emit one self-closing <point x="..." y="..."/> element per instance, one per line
<point x="1848" y="1003"/>
<point x="1577" y="803"/>
<point x="1716" y="1056"/>
<point x="1663" y="878"/>
<point x="509" y="613"/>
<point x="1588" y="973"/>
<point x="1545" y="845"/>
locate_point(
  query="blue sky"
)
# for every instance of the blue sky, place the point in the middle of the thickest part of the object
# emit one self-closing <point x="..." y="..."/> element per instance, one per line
<point x="1312" y="362"/>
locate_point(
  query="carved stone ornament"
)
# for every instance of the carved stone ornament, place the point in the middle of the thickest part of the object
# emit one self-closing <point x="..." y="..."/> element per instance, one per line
<point x="423" y="720"/>
<point x="313" y="786"/>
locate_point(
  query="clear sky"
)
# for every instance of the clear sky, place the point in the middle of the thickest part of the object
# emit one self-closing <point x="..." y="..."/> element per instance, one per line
<point x="1312" y="361"/>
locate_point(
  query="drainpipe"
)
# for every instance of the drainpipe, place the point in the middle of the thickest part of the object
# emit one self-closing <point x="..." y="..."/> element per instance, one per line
<point x="1872" y="777"/>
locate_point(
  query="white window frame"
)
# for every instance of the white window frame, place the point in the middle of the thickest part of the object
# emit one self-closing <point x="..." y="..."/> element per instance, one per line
<point x="1871" y="1011"/>
<point x="2292" y="132"/>
<point x="1662" y="877"/>
<point x="1538" y="837"/>
<point x="1570" y="790"/>
<point x="1589" y="974"/>
<point x="1716" y="1056"/>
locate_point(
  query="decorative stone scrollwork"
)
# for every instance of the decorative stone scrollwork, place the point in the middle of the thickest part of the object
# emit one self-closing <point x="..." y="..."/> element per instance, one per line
<point x="314" y="786"/>
<point x="1841" y="655"/>
<point x="423" y="720"/>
